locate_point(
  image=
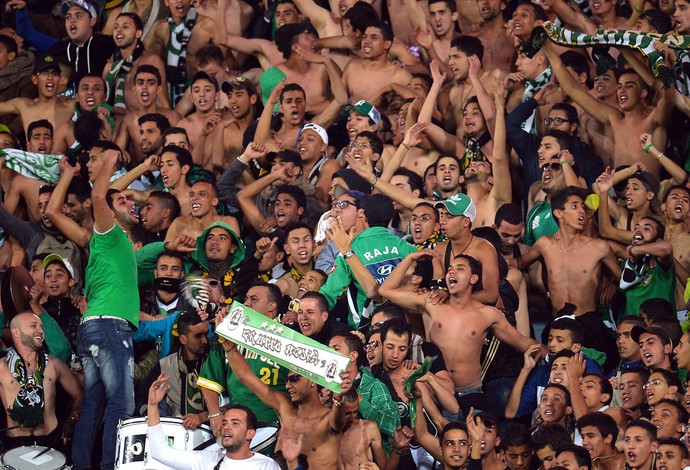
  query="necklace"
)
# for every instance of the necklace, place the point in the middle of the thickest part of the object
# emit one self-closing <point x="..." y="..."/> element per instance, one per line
<point x="463" y="250"/>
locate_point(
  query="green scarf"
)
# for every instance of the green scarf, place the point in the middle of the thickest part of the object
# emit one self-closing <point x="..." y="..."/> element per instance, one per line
<point x="643" y="42"/>
<point x="531" y="88"/>
<point x="116" y="77"/>
<point x="410" y="381"/>
<point x="176" y="54"/>
<point x="27" y="408"/>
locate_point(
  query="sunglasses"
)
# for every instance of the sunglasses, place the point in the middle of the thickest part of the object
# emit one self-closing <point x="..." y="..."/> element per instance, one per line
<point x="554" y="166"/>
<point x="371" y="345"/>
<point x="423" y="218"/>
<point x="292" y="378"/>
<point x="377" y="325"/>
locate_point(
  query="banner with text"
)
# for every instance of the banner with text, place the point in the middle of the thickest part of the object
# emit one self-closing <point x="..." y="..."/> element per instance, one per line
<point x="290" y="349"/>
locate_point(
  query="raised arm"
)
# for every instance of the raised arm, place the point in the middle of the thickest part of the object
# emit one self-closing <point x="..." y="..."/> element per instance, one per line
<point x="263" y="126"/>
<point x="391" y="288"/>
<point x="64" y="224"/>
<point x="502" y="190"/>
<point x="598" y="110"/>
<point x="430" y="101"/>
<point x="486" y="103"/>
<point x="319" y="17"/>
<point x="678" y="174"/>
<point x="602" y="186"/>
<point x="104" y="218"/>
<point x="573" y="19"/>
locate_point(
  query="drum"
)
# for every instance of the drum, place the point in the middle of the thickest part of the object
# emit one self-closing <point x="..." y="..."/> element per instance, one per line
<point x="264" y="441"/>
<point x="132" y="442"/>
<point x="33" y="458"/>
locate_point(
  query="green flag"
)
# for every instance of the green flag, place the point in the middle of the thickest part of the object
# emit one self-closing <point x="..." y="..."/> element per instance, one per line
<point x="290" y="349"/>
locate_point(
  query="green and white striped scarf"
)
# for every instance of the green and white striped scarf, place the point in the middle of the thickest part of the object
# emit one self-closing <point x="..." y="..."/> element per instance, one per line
<point x="531" y="87"/>
<point x="40" y="166"/>
<point x="643" y="42"/>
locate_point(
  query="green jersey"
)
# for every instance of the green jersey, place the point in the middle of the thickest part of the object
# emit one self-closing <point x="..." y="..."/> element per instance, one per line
<point x="216" y="375"/>
<point x="657" y="282"/>
<point x="540" y="222"/>
<point x="111" y="277"/>
<point x="381" y="252"/>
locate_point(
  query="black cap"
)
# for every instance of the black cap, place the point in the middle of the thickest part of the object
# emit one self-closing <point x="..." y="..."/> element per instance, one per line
<point x="285" y="156"/>
<point x="205" y="76"/>
<point x="285" y="35"/>
<point x="238" y="83"/>
<point x="46" y="62"/>
<point x="637" y="331"/>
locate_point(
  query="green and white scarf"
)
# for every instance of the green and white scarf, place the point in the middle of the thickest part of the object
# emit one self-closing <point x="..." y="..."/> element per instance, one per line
<point x="532" y="87"/>
<point x="116" y="77"/>
<point x="29" y="404"/>
<point x="643" y="42"/>
<point x="176" y="55"/>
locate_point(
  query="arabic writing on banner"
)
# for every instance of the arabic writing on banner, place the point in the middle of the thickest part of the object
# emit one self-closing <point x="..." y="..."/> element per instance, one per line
<point x="290" y="349"/>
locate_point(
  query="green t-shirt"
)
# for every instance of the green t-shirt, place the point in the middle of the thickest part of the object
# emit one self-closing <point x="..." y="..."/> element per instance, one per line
<point x="111" y="277"/>
<point x="540" y="222"/>
<point x="216" y="375"/>
<point x="657" y="282"/>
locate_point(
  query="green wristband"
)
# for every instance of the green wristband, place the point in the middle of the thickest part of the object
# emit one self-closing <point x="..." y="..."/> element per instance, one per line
<point x="647" y="147"/>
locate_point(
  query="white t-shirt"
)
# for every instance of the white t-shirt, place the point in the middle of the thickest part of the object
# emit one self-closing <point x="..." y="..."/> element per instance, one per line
<point x="201" y="460"/>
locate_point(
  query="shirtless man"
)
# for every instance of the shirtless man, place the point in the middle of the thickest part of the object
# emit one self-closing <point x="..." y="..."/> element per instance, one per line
<point x="90" y="95"/>
<point x="228" y="135"/>
<point x="572" y="260"/>
<point x="204" y="96"/>
<point x="39" y="140"/>
<point x="457" y="215"/>
<point x="146" y="92"/>
<point x="374" y="69"/>
<point x="676" y="207"/>
<point x="169" y="40"/>
<point x="489" y="184"/>
<point x="26" y="358"/>
<point x="451" y="102"/>
<point x="459" y="326"/>
<point x="301" y="412"/>
<point x="203" y="200"/>
<point x="46" y="77"/>
<point x="600" y="135"/>
<point x="296" y="43"/>
<point x="361" y="438"/>
<point x="630" y="118"/>
<point x="441" y="16"/>
<point x="499" y="49"/>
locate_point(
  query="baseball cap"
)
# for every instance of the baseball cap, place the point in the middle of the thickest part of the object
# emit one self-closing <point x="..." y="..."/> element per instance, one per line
<point x="284" y="36"/>
<point x="238" y="83"/>
<point x="53" y="257"/>
<point x="205" y="76"/>
<point x="378" y="208"/>
<point x="81" y="4"/>
<point x="316" y="128"/>
<point x="285" y="156"/>
<point x="650" y="182"/>
<point x="46" y="62"/>
<point x="459" y="204"/>
<point x="340" y="190"/>
<point x="365" y="109"/>
<point x="637" y="331"/>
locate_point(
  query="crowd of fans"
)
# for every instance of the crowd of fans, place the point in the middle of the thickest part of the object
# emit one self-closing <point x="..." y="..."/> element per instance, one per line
<point x="410" y="183"/>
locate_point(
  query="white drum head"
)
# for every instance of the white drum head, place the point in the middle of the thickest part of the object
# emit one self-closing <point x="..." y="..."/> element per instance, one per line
<point x="28" y="458"/>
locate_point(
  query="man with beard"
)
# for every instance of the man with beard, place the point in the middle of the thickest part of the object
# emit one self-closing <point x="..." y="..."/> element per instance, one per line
<point x="648" y="272"/>
<point x="238" y="429"/>
<point x="28" y="375"/>
<point x="112" y="313"/>
<point x="299" y="248"/>
<point x="182" y="367"/>
<point x="146" y="91"/>
<point x="443" y="15"/>
<point x="203" y="199"/>
<point x="499" y="48"/>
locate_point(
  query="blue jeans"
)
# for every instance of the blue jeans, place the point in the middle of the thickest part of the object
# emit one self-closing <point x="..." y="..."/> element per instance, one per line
<point x="105" y="348"/>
